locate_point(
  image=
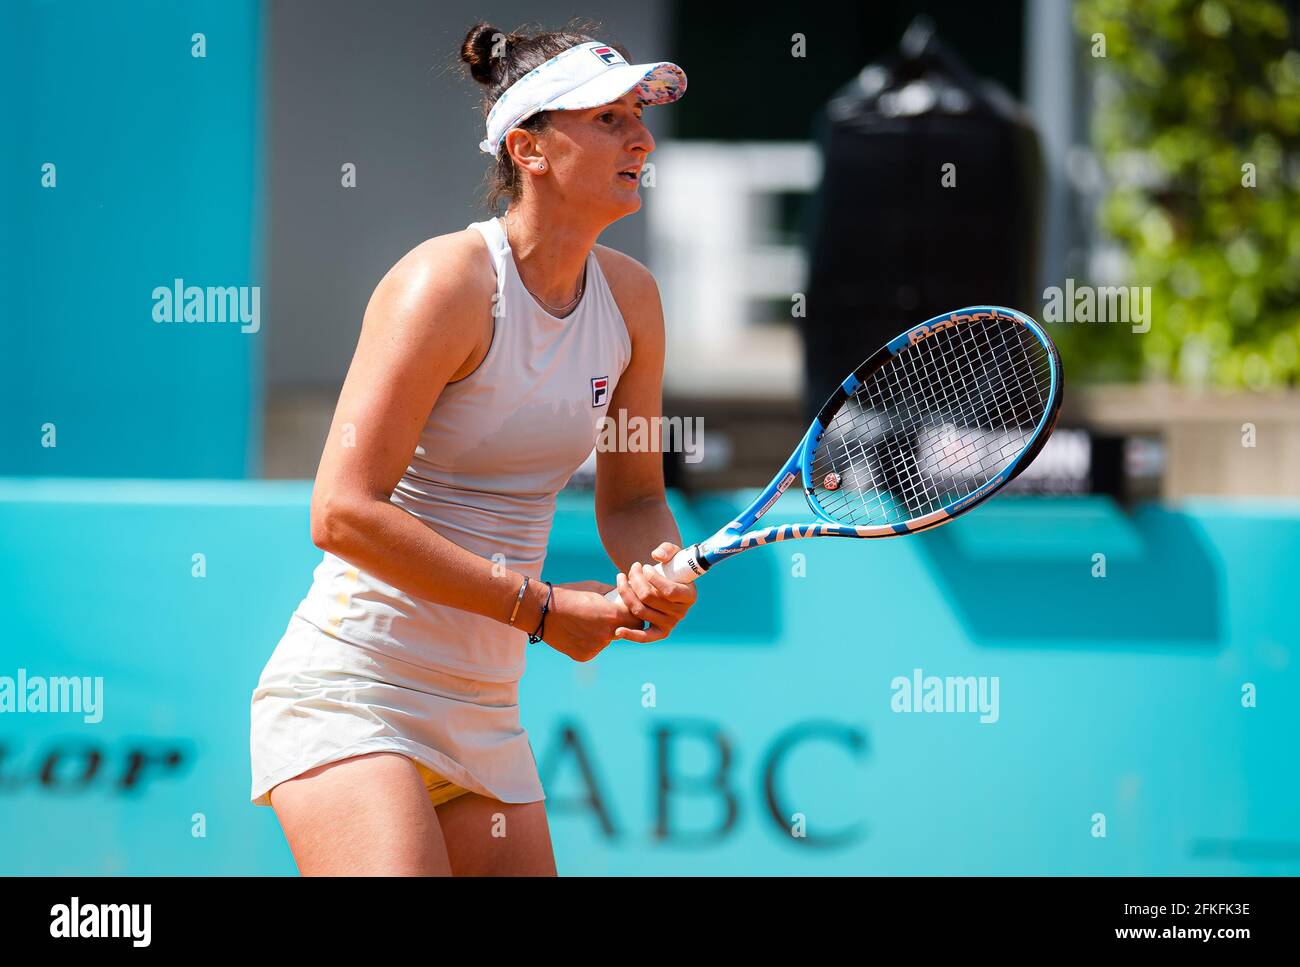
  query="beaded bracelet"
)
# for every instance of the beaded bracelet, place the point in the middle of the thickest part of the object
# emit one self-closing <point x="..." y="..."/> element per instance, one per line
<point x="536" y="636"/>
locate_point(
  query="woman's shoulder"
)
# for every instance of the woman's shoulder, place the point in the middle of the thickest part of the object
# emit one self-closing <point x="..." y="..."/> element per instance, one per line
<point x="445" y="282"/>
<point x="634" y="289"/>
<point x="460" y="259"/>
<point x="623" y="271"/>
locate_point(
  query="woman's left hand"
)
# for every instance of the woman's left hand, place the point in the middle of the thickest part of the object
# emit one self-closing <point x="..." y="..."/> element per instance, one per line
<point x="653" y="598"/>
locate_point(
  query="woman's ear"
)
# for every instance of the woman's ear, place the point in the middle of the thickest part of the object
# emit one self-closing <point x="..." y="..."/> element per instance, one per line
<point x="525" y="151"/>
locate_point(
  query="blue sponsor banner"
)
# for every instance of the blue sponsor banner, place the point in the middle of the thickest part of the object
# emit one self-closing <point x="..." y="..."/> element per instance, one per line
<point x="129" y="172"/>
<point x="1046" y="686"/>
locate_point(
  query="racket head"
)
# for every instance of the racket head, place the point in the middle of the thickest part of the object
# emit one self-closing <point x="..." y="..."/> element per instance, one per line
<point x="933" y="424"/>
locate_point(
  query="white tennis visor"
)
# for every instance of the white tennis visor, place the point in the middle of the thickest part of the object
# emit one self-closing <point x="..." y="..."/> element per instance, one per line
<point x="581" y="77"/>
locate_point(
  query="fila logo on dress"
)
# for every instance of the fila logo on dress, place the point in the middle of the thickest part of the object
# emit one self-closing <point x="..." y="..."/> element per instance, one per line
<point x="599" y="390"/>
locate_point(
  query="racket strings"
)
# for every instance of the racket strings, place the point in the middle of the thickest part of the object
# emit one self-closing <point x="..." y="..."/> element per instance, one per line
<point x="934" y="424"/>
<point x="907" y="464"/>
<point x="916" y="484"/>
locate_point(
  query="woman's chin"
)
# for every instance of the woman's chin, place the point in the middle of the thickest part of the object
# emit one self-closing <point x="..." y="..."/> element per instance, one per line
<point x="628" y="201"/>
<point x="615" y="204"/>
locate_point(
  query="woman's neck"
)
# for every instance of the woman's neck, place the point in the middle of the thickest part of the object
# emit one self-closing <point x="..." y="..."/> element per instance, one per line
<point x="550" y="252"/>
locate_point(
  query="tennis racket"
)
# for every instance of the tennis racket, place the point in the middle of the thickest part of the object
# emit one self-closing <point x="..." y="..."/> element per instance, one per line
<point x="935" y="423"/>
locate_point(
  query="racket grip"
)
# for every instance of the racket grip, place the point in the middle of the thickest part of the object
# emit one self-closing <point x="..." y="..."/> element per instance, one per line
<point x="679" y="569"/>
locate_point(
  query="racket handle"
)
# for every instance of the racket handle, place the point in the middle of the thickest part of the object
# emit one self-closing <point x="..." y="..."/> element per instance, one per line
<point x="679" y="569"/>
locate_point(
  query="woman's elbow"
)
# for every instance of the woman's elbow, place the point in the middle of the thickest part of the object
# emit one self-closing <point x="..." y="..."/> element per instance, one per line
<point x="329" y="516"/>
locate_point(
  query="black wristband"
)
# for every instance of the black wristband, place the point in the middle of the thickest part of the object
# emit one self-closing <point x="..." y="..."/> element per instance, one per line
<point x="536" y="636"/>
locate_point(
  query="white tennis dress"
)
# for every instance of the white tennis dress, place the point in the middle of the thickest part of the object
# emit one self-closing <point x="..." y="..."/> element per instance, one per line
<point x="365" y="667"/>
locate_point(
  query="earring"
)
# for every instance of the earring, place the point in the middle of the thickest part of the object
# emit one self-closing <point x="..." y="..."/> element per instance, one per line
<point x="541" y="166"/>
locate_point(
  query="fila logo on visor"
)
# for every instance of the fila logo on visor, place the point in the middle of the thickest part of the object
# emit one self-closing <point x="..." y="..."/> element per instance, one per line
<point x="608" y="56"/>
<point x="599" y="390"/>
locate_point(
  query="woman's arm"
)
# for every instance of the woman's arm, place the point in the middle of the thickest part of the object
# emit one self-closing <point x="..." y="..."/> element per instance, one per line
<point x="421" y="326"/>
<point x="631" y="510"/>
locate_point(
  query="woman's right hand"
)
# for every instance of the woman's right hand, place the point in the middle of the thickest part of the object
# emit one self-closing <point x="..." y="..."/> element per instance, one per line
<point x="581" y="622"/>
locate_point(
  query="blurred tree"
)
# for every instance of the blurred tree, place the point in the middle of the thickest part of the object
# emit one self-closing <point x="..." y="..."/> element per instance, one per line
<point x="1197" y="125"/>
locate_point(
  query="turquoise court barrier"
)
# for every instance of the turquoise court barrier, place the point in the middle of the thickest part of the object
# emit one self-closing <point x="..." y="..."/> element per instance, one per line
<point x="970" y="700"/>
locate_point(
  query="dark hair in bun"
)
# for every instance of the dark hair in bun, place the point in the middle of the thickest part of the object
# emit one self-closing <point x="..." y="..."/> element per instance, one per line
<point x="496" y="59"/>
<point x="478" y="54"/>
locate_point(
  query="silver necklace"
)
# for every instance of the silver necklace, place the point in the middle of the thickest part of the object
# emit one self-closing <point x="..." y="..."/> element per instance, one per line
<point x="553" y="310"/>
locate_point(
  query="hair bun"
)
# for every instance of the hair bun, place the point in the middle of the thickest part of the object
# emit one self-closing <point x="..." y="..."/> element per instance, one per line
<point x="477" y="52"/>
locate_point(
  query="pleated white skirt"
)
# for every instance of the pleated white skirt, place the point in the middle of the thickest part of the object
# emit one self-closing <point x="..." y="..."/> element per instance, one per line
<point x="321" y="699"/>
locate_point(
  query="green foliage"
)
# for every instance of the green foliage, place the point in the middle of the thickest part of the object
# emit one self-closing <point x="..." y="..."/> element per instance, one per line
<point x="1190" y="93"/>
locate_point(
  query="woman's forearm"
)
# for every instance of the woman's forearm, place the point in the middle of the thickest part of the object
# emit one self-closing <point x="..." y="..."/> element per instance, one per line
<point x="630" y="533"/>
<point x="401" y="550"/>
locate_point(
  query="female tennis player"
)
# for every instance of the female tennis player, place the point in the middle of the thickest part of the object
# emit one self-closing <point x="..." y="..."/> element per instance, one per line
<point x="385" y="726"/>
